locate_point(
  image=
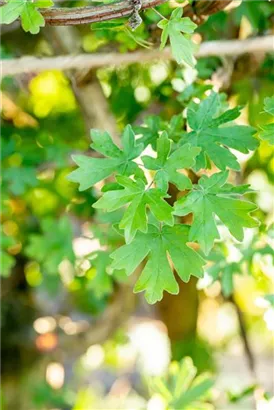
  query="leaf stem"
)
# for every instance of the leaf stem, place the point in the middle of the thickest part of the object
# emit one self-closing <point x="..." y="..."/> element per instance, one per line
<point x="150" y="184"/>
<point x="159" y="14"/>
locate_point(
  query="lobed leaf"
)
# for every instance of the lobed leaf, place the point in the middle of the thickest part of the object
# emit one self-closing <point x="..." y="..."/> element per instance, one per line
<point x="209" y="199"/>
<point x="157" y="275"/>
<point x="92" y="170"/>
<point x="139" y="198"/>
<point x="214" y="139"/>
<point x="167" y="165"/>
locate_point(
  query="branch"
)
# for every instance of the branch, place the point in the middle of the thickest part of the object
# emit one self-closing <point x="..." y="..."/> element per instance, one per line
<point x="205" y="7"/>
<point x="211" y="48"/>
<point x="67" y="16"/>
<point x="71" y="16"/>
<point x="247" y="347"/>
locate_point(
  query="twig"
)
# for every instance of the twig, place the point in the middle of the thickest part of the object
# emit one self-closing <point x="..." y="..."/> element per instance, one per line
<point x="83" y="61"/>
<point x="248" y="351"/>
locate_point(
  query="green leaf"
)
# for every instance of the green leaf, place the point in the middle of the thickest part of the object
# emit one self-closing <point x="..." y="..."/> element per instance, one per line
<point x="269" y="105"/>
<point x="20" y="179"/>
<point x="100" y="281"/>
<point x="135" y="217"/>
<point x="208" y="199"/>
<point x="181" y="389"/>
<point x="225" y="272"/>
<point x="215" y="140"/>
<point x="195" y="393"/>
<point x="154" y="125"/>
<point x="157" y="275"/>
<point x="11" y="11"/>
<point x="267" y="133"/>
<point x="150" y="130"/>
<point x="43" y="4"/>
<point x="31" y="18"/>
<point x="269" y="298"/>
<point x="7" y="263"/>
<point x="181" y="45"/>
<point x="167" y="166"/>
<point x="49" y="249"/>
<point x="93" y="170"/>
<point x="100" y="274"/>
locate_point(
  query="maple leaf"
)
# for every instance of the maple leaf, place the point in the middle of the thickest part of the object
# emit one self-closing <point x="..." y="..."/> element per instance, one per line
<point x="135" y="217"/>
<point x="157" y="275"/>
<point x="213" y="197"/>
<point x="213" y="138"/>
<point x="93" y="170"/>
<point x="181" y="45"/>
<point x="167" y="165"/>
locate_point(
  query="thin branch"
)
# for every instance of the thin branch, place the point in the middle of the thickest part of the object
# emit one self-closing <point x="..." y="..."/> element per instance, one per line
<point x="211" y="48"/>
<point x="248" y="350"/>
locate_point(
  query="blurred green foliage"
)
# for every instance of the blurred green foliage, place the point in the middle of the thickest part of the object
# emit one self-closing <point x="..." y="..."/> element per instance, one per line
<point x="55" y="246"/>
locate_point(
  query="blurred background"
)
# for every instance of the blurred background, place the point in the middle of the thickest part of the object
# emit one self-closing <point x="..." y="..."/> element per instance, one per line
<point x="74" y="336"/>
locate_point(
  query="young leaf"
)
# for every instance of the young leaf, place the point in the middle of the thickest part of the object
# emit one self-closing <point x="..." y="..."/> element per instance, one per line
<point x="167" y="165"/>
<point x="214" y="139"/>
<point x="93" y="170"/>
<point x="209" y="198"/>
<point x="181" y="389"/>
<point x="135" y="217"/>
<point x="157" y="275"/>
<point x="31" y="18"/>
<point x="181" y="45"/>
<point x="11" y="11"/>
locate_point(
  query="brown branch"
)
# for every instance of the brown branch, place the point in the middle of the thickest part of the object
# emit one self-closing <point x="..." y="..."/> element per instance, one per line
<point x="206" y="7"/>
<point x="243" y="333"/>
<point x="83" y="15"/>
<point x="69" y="16"/>
<point x="63" y="16"/>
<point x="231" y="48"/>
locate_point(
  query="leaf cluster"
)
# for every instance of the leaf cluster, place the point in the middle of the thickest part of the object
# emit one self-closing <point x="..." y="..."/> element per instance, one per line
<point x="151" y="222"/>
<point x="181" y="388"/>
